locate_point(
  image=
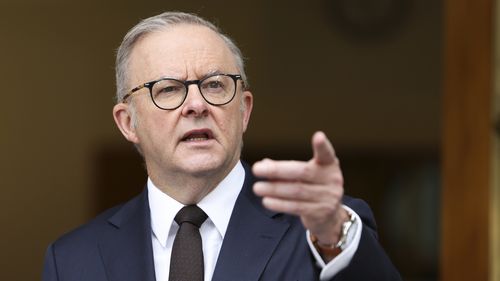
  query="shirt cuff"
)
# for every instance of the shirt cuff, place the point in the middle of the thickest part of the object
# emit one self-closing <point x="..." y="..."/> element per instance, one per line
<point x="329" y="270"/>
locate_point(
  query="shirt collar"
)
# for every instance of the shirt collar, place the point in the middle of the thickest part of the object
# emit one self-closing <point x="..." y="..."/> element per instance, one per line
<point x="218" y="204"/>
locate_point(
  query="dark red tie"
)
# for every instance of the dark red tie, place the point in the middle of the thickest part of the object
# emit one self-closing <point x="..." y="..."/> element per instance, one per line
<point x="186" y="260"/>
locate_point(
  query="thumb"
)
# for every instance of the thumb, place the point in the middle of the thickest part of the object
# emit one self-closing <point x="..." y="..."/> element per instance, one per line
<point x="324" y="154"/>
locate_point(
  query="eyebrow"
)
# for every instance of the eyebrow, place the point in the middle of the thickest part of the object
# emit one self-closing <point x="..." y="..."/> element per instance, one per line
<point x="211" y="72"/>
<point x="207" y="74"/>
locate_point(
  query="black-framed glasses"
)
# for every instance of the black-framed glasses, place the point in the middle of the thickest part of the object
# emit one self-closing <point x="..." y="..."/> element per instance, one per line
<point x="170" y="93"/>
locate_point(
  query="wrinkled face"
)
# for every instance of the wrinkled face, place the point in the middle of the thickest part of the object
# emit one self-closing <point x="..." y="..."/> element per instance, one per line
<point x="196" y="139"/>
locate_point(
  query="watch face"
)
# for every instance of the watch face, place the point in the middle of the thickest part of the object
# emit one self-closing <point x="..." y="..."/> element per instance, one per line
<point x="368" y="19"/>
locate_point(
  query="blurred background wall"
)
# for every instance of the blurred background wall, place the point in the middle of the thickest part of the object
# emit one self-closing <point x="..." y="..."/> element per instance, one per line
<point x="369" y="75"/>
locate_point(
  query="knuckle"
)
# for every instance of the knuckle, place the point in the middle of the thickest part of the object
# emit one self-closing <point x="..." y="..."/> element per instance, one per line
<point x="330" y="177"/>
<point x="307" y="172"/>
<point x="295" y="191"/>
<point x="333" y="194"/>
<point x="303" y="191"/>
<point x="329" y="194"/>
<point x="339" y="179"/>
<point x="297" y="207"/>
<point x="330" y="208"/>
<point x="271" y="167"/>
<point x="336" y="178"/>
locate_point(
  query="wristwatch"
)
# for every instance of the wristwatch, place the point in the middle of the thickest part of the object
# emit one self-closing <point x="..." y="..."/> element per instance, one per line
<point x="346" y="227"/>
<point x="328" y="252"/>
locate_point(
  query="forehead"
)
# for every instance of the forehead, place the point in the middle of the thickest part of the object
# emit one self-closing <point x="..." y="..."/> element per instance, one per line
<point x="182" y="51"/>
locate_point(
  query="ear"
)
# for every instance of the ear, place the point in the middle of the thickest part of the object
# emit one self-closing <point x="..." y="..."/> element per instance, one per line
<point x="122" y="113"/>
<point x="247" y="108"/>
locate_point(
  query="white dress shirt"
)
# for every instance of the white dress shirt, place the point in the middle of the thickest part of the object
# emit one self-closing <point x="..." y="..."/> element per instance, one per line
<point x="218" y="205"/>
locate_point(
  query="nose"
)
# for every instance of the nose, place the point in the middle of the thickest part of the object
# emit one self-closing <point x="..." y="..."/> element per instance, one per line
<point x="194" y="105"/>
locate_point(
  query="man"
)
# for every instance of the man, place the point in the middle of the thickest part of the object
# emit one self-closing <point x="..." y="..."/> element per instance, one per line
<point x="183" y="101"/>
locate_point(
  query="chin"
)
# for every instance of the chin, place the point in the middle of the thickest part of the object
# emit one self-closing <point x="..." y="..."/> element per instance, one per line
<point x="203" y="166"/>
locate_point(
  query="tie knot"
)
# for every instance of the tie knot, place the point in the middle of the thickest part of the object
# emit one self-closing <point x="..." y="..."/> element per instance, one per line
<point x="191" y="214"/>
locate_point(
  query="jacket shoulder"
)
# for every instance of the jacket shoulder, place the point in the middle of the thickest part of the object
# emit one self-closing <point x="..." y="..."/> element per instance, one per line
<point x="93" y="230"/>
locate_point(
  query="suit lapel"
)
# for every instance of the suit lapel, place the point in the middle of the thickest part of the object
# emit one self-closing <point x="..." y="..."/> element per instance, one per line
<point x="250" y="239"/>
<point x="126" y="249"/>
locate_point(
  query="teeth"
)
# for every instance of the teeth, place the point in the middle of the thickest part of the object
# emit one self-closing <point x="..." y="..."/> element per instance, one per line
<point x="196" y="139"/>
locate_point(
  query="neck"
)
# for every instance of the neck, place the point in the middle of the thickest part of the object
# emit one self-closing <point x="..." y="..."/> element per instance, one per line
<point x="188" y="188"/>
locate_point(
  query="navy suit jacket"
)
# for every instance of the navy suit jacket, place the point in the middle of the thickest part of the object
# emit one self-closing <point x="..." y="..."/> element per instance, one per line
<point x="259" y="245"/>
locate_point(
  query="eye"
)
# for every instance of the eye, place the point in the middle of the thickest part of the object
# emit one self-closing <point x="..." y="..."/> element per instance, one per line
<point x="168" y="88"/>
<point x="214" y="85"/>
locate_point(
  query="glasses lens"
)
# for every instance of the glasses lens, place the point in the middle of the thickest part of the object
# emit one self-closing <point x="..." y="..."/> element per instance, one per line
<point x="218" y="89"/>
<point x="168" y="93"/>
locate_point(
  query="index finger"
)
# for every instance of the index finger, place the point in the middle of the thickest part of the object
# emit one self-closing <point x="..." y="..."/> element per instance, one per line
<point x="324" y="154"/>
<point x="282" y="170"/>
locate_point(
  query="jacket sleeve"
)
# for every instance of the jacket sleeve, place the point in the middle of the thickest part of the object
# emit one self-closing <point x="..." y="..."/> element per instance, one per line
<point x="370" y="262"/>
<point x="49" y="267"/>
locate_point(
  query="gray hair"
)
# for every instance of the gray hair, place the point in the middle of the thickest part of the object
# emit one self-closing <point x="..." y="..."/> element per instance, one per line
<point x="156" y="23"/>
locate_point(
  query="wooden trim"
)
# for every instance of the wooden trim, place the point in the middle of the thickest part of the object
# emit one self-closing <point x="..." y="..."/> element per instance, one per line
<point x="466" y="144"/>
<point x="495" y="161"/>
<point x="495" y="206"/>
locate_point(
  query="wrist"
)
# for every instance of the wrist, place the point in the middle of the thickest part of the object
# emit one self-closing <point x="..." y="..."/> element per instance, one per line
<point x="331" y="232"/>
<point x="329" y="250"/>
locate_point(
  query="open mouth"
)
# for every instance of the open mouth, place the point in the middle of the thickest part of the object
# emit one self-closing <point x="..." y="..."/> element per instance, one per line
<point x="197" y="135"/>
